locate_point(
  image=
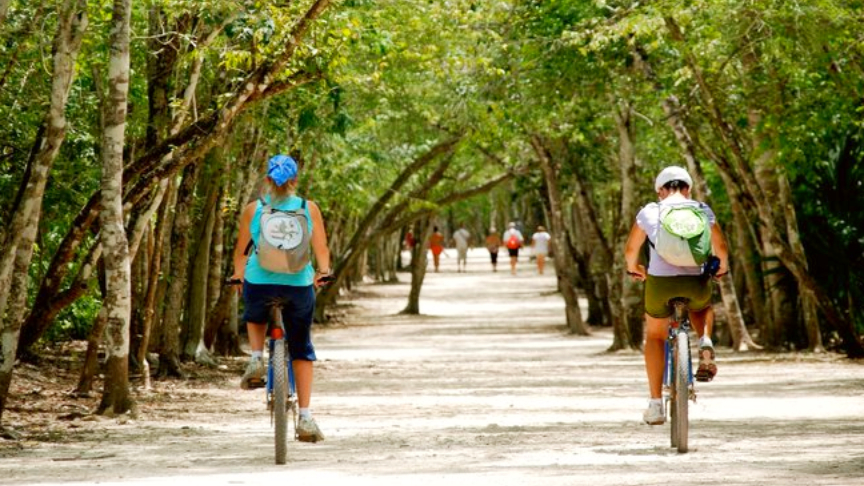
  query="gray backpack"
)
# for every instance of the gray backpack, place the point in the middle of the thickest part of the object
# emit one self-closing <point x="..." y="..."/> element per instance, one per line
<point x="283" y="239"/>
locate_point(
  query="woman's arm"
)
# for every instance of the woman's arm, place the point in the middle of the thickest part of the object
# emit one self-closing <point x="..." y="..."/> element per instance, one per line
<point x="721" y="250"/>
<point x="631" y="253"/>
<point x="319" y="240"/>
<point x="243" y="237"/>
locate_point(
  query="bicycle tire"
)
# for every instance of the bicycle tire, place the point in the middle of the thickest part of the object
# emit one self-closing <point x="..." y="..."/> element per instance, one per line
<point x="681" y="397"/>
<point x="672" y="415"/>
<point x="280" y="395"/>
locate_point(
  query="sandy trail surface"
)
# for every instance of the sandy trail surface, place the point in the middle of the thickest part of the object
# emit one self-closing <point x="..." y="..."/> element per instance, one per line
<point x="484" y="388"/>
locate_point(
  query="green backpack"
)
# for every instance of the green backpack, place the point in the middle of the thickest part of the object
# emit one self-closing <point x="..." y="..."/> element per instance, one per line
<point x="684" y="235"/>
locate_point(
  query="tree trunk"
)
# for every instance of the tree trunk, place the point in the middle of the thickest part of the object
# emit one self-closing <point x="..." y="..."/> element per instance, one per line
<point x="583" y="248"/>
<point x="149" y="304"/>
<point x="169" y="352"/>
<point x="116" y="398"/>
<point x="630" y="329"/>
<point x="165" y="231"/>
<point x="9" y="332"/>
<point x="808" y="304"/>
<point x="423" y="230"/>
<point x="67" y="44"/>
<point x="193" y="337"/>
<point x="91" y="357"/>
<point x="4" y="9"/>
<point x="565" y="268"/>
<point x="217" y="254"/>
<point x="608" y="284"/>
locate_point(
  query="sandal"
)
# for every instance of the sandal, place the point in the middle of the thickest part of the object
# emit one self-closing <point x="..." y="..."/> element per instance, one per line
<point x="707" y="368"/>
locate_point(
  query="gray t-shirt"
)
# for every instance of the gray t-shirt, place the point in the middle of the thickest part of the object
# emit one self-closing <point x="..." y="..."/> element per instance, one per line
<point x="649" y="220"/>
<point x="461" y="236"/>
<point x="541" y="242"/>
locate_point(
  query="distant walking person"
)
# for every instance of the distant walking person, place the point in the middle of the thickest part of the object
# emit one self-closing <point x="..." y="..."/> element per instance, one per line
<point x="493" y="243"/>
<point x="436" y="244"/>
<point x="513" y="239"/>
<point x="462" y="238"/>
<point x="540" y="244"/>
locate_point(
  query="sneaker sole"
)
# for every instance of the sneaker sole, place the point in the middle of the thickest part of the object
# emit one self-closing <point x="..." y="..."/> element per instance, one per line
<point x="309" y="438"/>
<point x="706" y="373"/>
<point x="253" y="384"/>
<point x="707" y="369"/>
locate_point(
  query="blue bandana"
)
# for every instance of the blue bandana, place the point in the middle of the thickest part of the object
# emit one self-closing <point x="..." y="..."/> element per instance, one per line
<point x="281" y="168"/>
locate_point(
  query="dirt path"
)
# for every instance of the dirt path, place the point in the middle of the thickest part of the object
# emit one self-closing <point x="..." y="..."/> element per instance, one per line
<point x="483" y="389"/>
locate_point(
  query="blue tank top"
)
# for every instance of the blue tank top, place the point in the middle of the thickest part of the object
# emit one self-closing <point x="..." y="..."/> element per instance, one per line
<point x="257" y="275"/>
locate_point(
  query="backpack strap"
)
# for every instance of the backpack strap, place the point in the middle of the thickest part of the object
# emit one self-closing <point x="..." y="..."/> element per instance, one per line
<point x="264" y="204"/>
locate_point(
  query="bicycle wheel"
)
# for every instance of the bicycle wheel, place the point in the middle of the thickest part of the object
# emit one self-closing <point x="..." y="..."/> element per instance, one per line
<point x="280" y="394"/>
<point x="681" y="397"/>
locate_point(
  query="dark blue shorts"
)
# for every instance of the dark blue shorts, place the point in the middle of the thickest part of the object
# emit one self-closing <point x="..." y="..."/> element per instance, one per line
<point x="298" y="309"/>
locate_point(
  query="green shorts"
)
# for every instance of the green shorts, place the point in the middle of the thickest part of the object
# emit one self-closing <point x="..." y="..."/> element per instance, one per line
<point x="658" y="291"/>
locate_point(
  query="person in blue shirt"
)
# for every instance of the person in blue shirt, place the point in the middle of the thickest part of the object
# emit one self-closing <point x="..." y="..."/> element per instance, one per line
<point x="297" y="290"/>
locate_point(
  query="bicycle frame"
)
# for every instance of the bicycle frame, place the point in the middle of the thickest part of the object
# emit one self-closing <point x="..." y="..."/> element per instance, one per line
<point x="292" y="387"/>
<point x="681" y="323"/>
<point x="678" y="388"/>
<point x="275" y="333"/>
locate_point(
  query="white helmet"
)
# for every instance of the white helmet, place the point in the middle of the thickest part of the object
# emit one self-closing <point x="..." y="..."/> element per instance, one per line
<point x="672" y="173"/>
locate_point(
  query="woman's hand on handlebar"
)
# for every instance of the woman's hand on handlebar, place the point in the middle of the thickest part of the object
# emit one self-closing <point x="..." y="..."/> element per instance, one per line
<point x="236" y="281"/>
<point x="322" y="279"/>
<point x="637" y="274"/>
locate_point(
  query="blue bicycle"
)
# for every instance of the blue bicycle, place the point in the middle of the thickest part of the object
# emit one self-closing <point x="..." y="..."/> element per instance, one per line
<point x="678" y="374"/>
<point x="281" y="394"/>
<point x="280" y="386"/>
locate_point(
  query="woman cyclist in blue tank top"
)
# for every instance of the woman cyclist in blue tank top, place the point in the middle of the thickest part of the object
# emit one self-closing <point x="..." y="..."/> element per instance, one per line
<point x="296" y="290"/>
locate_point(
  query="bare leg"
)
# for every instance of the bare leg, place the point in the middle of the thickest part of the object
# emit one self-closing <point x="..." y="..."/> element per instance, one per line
<point x="437" y="260"/>
<point x="303" y="377"/>
<point x="541" y="262"/>
<point x="257" y="332"/>
<point x="703" y="321"/>
<point x="513" y="264"/>
<point x="656" y="331"/>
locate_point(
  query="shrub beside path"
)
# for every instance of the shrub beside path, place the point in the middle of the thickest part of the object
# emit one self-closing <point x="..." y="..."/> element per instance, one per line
<point x="484" y="388"/>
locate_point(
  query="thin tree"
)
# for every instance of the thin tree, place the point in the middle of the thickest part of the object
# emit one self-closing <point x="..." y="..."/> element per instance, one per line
<point x="118" y="300"/>
<point x="16" y="247"/>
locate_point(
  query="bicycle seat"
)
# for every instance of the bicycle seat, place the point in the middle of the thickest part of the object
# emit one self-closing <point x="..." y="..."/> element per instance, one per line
<point x="676" y="301"/>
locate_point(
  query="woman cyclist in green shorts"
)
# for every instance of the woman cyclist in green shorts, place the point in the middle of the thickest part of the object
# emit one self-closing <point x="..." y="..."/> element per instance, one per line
<point x="664" y="281"/>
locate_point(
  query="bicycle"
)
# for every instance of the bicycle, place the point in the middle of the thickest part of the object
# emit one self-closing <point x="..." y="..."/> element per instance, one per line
<point x="280" y="387"/>
<point x="678" y="385"/>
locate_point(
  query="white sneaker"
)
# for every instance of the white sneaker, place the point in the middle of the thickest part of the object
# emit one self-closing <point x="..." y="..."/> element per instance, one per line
<point x="308" y="431"/>
<point x="654" y="414"/>
<point x="253" y="377"/>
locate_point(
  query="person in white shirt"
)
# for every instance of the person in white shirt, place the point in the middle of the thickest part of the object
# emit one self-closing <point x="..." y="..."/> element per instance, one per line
<point x="664" y="280"/>
<point x="461" y="237"/>
<point x="540" y="244"/>
<point x="513" y="240"/>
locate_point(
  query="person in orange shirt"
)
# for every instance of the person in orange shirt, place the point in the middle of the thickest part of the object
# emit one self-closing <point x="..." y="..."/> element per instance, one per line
<point x="493" y="242"/>
<point x="436" y="244"/>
